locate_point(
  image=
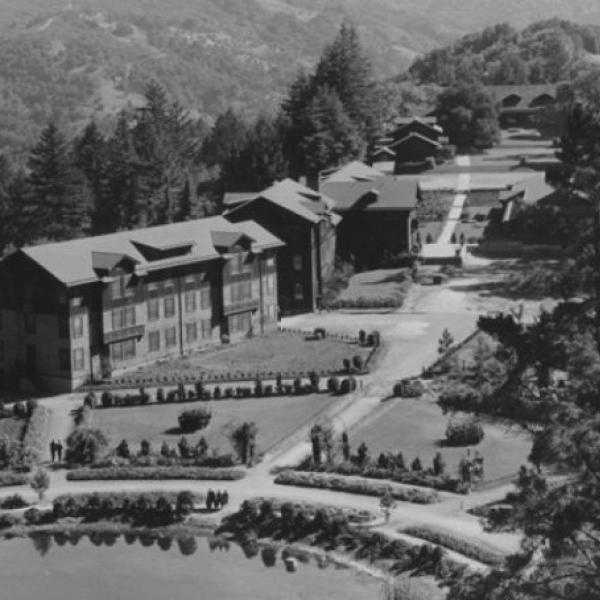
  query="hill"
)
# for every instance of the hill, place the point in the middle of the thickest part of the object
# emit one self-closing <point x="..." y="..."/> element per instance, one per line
<point x="68" y="62"/>
<point x="544" y="52"/>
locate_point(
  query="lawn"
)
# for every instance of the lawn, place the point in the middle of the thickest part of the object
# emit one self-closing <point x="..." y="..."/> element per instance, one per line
<point x="275" y="417"/>
<point x="417" y="427"/>
<point x="275" y="353"/>
<point x="379" y="283"/>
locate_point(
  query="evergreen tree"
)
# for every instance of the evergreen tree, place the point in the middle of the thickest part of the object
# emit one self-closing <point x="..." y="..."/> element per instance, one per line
<point x="226" y="140"/>
<point x="330" y="136"/>
<point x="57" y="198"/>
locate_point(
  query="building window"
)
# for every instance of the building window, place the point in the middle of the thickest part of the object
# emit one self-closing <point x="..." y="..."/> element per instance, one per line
<point x="170" y="337"/>
<point x="240" y="291"/>
<point x="206" y="329"/>
<point x="297" y="262"/>
<point x="63" y="327"/>
<point x="64" y="364"/>
<point x="237" y="264"/>
<point x="153" y="341"/>
<point x="169" y="285"/>
<point x="119" y="287"/>
<point x="190" y="280"/>
<point x="153" y="306"/>
<point x="79" y="358"/>
<point x="270" y="261"/>
<point x="190" y="301"/>
<point x="169" y="306"/>
<point x="205" y="297"/>
<point x="270" y="281"/>
<point x="124" y="350"/>
<point x="30" y="323"/>
<point x="240" y="323"/>
<point x="30" y="355"/>
<point x="123" y="318"/>
<point x="298" y="292"/>
<point x="151" y="288"/>
<point x="191" y="332"/>
<point x="77" y="327"/>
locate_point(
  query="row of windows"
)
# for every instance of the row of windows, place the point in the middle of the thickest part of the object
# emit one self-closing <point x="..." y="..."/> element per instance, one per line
<point x="191" y="298"/>
<point x="76" y="361"/>
<point x="123" y="318"/>
<point x="124" y="350"/>
<point x="241" y="290"/>
<point x="240" y="323"/>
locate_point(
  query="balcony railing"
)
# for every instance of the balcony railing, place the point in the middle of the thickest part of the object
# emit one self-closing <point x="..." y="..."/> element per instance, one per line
<point x="240" y="306"/>
<point x="123" y="334"/>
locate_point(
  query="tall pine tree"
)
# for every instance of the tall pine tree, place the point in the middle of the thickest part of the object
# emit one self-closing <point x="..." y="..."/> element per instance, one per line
<point x="58" y="199"/>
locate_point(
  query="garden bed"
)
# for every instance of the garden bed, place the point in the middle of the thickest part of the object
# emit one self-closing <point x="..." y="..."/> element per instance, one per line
<point x="464" y="547"/>
<point x="355" y="485"/>
<point x="289" y="353"/>
<point x="173" y="472"/>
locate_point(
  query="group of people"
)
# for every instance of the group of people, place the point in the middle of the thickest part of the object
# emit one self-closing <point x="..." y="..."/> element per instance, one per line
<point x="56" y="450"/>
<point x="216" y="500"/>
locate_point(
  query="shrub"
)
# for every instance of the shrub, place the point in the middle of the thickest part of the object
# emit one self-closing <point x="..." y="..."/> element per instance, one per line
<point x="460" y="397"/>
<point x="258" y="388"/>
<point x="13" y="502"/>
<point x="354" y="486"/>
<point x="181" y="395"/>
<point x="217" y="393"/>
<point x="357" y="362"/>
<point x="467" y="432"/>
<point x="85" y="445"/>
<point x="160" y="395"/>
<point x="107" y="399"/>
<point x="144" y="396"/>
<point x="32" y="516"/>
<point x="199" y="387"/>
<point x="314" y="381"/>
<point x="362" y="337"/>
<point x="171" y="472"/>
<point x="319" y="333"/>
<point x="416" y="465"/>
<point x="297" y="385"/>
<point x="40" y="482"/>
<point x="19" y="410"/>
<point x="122" y="449"/>
<point x="89" y="400"/>
<point x="333" y="385"/>
<point x="347" y="365"/>
<point x="193" y="420"/>
<point x="409" y="388"/>
<point x="268" y="390"/>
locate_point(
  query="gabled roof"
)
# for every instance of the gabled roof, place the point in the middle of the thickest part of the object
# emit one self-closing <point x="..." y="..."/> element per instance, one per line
<point x="427" y="120"/>
<point x="354" y="171"/>
<point x="388" y="193"/>
<point x="414" y="134"/>
<point x="526" y="93"/>
<point x="233" y="198"/>
<point x="298" y="199"/>
<point x="384" y="150"/>
<point x="530" y="189"/>
<point x="75" y="262"/>
<point x="227" y="239"/>
<point x="429" y="123"/>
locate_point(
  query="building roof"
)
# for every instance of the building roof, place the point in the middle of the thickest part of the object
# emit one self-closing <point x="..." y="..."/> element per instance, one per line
<point x="234" y="198"/>
<point x="303" y="201"/>
<point x="414" y="134"/>
<point x="427" y="120"/>
<point x="78" y="261"/>
<point x="531" y="189"/>
<point x="353" y="171"/>
<point x="388" y="192"/>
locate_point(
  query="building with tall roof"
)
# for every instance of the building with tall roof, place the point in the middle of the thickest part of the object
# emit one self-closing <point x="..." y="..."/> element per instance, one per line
<point x="376" y="211"/>
<point x="305" y="220"/>
<point x="79" y="310"/>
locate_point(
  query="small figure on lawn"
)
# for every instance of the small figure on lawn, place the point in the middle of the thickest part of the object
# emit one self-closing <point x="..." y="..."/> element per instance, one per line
<point x="52" y="450"/>
<point x="210" y="500"/>
<point x="59" y="450"/>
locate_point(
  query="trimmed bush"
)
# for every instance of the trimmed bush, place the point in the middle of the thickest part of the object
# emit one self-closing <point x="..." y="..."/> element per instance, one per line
<point x="172" y="472"/>
<point x="468" y="432"/>
<point x="354" y="486"/>
<point x="13" y="502"/>
<point x="8" y="478"/>
<point x="333" y="385"/>
<point x="358" y="363"/>
<point x="319" y="333"/>
<point x="193" y="420"/>
<point x="409" y="388"/>
<point x="107" y="399"/>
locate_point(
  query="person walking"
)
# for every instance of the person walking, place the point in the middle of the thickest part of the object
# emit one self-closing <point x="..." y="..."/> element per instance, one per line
<point x="59" y="450"/>
<point x="52" y="450"/>
<point x="225" y="497"/>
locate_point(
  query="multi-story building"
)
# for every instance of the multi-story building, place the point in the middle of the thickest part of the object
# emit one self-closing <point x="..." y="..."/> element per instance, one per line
<point x="304" y="219"/>
<point x="79" y="310"/>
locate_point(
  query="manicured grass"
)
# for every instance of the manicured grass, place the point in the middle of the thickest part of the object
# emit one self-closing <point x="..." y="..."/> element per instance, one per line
<point x="275" y="417"/>
<point x="380" y="283"/>
<point x="277" y="352"/>
<point x="416" y="427"/>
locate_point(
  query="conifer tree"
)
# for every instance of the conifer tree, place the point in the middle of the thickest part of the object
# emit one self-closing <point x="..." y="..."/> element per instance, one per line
<point x="57" y="197"/>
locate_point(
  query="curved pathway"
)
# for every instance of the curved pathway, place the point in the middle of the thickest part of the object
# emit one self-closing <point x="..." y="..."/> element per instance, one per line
<point x="410" y="342"/>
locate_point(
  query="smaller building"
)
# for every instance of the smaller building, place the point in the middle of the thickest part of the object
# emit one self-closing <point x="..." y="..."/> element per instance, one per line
<point x="304" y="219"/>
<point x="377" y="212"/>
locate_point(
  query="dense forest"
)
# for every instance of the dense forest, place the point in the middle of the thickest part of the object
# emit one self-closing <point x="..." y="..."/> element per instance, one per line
<point x="544" y="52"/>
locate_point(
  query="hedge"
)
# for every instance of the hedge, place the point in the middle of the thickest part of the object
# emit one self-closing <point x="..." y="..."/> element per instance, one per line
<point x="354" y="486"/>
<point x="362" y="302"/>
<point x="117" y="498"/>
<point x="456" y="544"/>
<point x="175" y="472"/>
<point x="9" y="478"/>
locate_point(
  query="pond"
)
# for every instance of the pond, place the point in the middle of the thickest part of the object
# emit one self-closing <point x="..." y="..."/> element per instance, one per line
<point x="111" y="567"/>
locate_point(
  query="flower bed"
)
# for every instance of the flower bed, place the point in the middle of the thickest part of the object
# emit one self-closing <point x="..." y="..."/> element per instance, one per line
<point x="9" y="478"/>
<point x="174" y="472"/>
<point x="456" y="544"/>
<point x="354" y="486"/>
